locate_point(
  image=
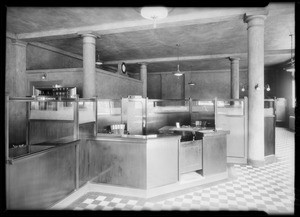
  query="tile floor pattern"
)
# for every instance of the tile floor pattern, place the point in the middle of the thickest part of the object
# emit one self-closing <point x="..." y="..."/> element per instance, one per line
<point x="269" y="188"/>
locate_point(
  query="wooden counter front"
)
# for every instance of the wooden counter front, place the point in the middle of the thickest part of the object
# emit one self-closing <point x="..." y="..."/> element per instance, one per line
<point x="134" y="161"/>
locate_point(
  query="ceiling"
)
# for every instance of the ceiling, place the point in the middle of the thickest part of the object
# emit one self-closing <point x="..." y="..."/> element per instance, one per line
<point x="207" y="36"/>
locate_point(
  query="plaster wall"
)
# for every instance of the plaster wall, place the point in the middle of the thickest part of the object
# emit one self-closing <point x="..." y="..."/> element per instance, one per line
<point x="114" y="86"/>
<point x="40" y="58"/>
<point x="172" y="87"/>
<point x="154" y="86"/>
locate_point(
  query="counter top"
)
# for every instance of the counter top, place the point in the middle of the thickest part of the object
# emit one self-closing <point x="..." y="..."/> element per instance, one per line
<point x="131" y="138"/>
<point x="57" y="142"/>
<point x="208" y="131"/>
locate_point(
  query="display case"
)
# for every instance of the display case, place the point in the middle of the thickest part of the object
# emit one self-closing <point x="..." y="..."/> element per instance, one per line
<point x="56" y="92"/>
<point x="40" y="152"/>
<point x="31" y="126"/>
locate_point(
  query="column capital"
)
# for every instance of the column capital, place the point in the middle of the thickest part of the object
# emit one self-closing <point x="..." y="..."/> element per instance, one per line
<point x="255" y="19"/>
<point x="19" y="42"/>
<point x="88" y="34"/>
<point x="143" y="63"/>
<point x="234" y="59"/>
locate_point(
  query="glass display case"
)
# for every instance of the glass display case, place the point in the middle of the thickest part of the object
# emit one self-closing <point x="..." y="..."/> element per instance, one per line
<point x="32" y="123"/>
<point x="109" y="112"/>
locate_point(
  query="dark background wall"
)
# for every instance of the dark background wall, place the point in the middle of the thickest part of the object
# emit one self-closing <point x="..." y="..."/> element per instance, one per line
<point x="209" y="84"/>
<point x="280" y="82"/>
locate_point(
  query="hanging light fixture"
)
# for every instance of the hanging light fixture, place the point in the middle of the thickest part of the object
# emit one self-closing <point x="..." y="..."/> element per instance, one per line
<point x="291" y="63"/>
<point x="178" y="72"/>
<point x="154" y="13"/>
<point x="98" y="62"/>
<point x="267" y="87"/>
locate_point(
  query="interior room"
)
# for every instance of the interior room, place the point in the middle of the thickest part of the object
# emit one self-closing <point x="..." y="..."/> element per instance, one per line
<point x="152" y="108"/>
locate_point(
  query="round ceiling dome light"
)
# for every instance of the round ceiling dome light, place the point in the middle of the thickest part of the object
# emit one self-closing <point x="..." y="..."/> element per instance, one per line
<point x="154" y="13"/>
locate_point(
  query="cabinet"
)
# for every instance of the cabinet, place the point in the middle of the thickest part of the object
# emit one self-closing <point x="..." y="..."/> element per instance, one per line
<point x="280" y="110"/>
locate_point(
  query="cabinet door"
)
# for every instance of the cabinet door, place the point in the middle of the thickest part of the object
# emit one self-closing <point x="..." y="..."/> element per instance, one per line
<point x="190" y="156"/>
<point x="214" y="155"/>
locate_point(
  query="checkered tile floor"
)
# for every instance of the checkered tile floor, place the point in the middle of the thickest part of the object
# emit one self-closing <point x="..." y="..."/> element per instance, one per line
<point x="269" y="188"/>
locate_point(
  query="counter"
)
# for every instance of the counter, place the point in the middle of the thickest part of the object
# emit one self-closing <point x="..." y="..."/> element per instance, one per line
<point x="142" y="162"/>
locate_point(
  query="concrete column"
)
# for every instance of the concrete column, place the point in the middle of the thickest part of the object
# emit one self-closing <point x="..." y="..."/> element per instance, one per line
<point x="256" y="88"/>
<point x="235" y="92"/>
<point x="143" y="76"/>
<point x="89" y="67"/>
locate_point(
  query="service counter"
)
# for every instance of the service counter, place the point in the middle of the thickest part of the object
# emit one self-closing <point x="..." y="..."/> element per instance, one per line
<point x="136" y="161"/>
<point x="151" y="162"/>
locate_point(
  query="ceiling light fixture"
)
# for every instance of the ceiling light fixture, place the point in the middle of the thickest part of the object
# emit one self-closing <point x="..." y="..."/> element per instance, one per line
<point x="98" y="62"/>
<point x="178" y="72"/>
<point x="154" y="13"/>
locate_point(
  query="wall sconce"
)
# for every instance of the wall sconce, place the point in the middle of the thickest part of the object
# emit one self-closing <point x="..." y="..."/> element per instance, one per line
<point x="257" y="87"/>
<point x="267" y="87"/>
<point x="44" y="76"/>
<point x="243" y="89"/>
<point x="98" y="61"/>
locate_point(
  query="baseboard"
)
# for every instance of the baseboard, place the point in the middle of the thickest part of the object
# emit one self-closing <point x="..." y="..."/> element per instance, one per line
<point x="236" y="160"/>
<point x="70" y="198"/>
<point x="256" y="163"/>
<point x="270" y="159"/>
